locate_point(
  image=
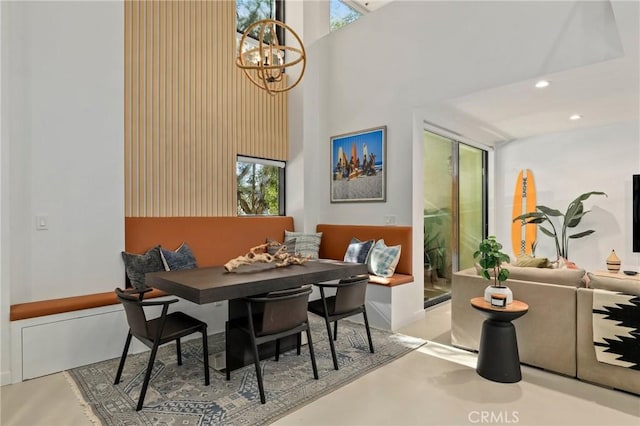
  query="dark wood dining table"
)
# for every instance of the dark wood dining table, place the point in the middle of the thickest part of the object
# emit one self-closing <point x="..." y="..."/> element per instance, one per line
<point x="214" y="284"/>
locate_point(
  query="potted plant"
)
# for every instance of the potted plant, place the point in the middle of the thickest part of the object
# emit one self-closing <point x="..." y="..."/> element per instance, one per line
<point x="490" y="260"/>
<point x="434" y="256"/>
<point x="435" y="249"/>
<point x="570" y="219"/>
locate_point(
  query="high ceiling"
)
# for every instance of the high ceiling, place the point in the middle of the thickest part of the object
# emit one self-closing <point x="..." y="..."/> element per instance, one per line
<point x="602" y="93"/>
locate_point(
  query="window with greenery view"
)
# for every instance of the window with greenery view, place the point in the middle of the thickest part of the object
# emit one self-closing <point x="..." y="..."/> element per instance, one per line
<point x="250" y="11"/>
<point x="340" y="14"/>
<point x="260" y="186"/>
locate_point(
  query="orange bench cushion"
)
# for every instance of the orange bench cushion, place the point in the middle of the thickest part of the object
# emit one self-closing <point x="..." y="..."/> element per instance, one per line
<point x="22" y="311"/>
<point x="336" y="239"/>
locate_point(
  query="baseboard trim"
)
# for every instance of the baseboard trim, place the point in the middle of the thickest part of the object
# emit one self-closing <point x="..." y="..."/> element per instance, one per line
<point x="5" y="378"/>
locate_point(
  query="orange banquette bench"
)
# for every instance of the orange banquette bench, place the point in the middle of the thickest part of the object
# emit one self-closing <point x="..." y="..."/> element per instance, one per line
<point x="213" y="241"/>
<point x="336" y="238"/>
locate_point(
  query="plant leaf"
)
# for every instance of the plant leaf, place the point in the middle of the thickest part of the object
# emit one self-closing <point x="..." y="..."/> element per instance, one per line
<point x="528" y="216"/>
<point x="589" y="194"/>
<point x="582" y="234"/>
<point x="576" y="219"/>
<point x="536" y="221"/>
<point x="574" y="215"/>
<point x="546" y="232"/>
<point x="549" y="212"/>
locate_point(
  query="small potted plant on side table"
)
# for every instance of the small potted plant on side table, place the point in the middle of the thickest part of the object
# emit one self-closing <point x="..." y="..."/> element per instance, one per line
<point x="490" y="261"/>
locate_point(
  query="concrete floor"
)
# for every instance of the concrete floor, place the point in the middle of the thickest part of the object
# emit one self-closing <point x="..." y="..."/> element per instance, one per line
<point x="435" y="385"/>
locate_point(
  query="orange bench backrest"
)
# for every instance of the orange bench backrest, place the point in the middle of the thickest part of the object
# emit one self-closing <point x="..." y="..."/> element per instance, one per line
<point x="336" y="238"/>
<point x="213" y="240"/>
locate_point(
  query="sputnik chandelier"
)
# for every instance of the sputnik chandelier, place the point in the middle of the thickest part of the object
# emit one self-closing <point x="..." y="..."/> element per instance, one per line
<point x="264" y="60"/>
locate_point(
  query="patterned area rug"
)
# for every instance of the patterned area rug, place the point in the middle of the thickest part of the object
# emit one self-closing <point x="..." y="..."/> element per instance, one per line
<point x="177" y="395"/>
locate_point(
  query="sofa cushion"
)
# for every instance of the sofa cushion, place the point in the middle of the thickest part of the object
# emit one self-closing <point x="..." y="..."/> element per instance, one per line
<point x="358" y="251"/>
<point x="628" y="285"/>
<point x="383" y="259"/>
<point x="568" y="277"/>
<point x="181" y="258"/>
<point x="306" y="244"/>
<point x="526" y="260"/>
<point x="136" y="265"/>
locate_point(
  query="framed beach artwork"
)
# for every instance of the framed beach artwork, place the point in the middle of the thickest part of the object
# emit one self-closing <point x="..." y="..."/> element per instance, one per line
<point x="358" y="166"/>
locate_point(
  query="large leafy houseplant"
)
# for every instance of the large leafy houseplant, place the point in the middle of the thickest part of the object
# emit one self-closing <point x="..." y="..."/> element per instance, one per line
<point x="491" y="258"/>
<point x="570" y="219"/>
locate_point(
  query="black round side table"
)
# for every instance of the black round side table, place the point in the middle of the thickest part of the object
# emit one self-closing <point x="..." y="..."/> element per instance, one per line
<point x="498" y="358"/>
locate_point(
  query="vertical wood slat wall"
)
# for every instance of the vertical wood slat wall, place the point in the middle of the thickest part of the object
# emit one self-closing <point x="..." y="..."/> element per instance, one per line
<point x="189" y="110"/>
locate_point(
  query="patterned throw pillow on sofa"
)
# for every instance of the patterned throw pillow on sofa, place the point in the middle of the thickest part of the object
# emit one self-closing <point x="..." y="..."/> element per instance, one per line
<point x="136" y="265"/>
<point x="306" y="244"/>
<point x="383" y="259"/>
<point x="526" y="260"/>
<point x="358" y="251"/>
<point x="182" y="258"/>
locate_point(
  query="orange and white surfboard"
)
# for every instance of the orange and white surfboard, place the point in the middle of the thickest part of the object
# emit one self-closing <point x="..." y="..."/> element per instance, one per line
<point x="524" y="201"/>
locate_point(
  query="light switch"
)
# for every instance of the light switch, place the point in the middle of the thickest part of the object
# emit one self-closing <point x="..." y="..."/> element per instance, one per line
<point x="42" y="222"/>
<point x="390" y="219"/>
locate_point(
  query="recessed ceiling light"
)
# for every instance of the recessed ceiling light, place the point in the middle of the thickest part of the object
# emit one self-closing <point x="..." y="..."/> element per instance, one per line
<point x="575" y="117"/>
<point x="542" y="83"/>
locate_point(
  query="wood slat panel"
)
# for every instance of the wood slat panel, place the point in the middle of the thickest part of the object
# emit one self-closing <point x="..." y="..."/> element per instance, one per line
<point x="189" y="110"/>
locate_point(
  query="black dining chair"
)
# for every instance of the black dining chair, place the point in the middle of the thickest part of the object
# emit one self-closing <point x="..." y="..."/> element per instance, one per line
<point x="349" y="300"/>
<point x="158" y="331"/>
<point x="273" y="316"/>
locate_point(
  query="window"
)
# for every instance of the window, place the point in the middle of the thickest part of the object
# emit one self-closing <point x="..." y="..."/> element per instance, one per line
<point x="260" y="186"/>
<point x="341" y="14"/>
<point x="455" y="210"/>
<point x="250" y="11"/>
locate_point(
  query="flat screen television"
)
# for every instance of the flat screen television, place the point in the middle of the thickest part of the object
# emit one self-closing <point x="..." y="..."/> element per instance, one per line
<point x="636" y="214"/>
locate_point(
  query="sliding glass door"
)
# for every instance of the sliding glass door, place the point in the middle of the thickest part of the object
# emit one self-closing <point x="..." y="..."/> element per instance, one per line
<point x="454" y="210"/>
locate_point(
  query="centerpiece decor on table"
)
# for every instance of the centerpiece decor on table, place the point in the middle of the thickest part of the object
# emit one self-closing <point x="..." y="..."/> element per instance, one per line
<point x="258" y="258"/>
<point x="491" y="258"/>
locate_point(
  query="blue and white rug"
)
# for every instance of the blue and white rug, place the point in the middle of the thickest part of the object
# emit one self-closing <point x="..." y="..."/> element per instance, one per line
<point x="177" y="395"/>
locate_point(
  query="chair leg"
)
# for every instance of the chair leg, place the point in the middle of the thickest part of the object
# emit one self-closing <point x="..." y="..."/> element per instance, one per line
<point x="147" y="377"/>
<point x="226" y="353"/>
<point x="366" y="324"/>
<point x="277" y="350"/>
<point x="179" y="351"/>
<point x="256" y="359"/>
<point x="205" y="354"/>
<point x="122" y="358"/>
<point x="298" y="342"/>
<point x="335" y="330"/>
<point x="313" y="356"/>
<point x="331" y="345"/>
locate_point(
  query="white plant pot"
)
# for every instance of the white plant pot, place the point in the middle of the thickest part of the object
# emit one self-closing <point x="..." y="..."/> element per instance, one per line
<point x="506" y="291"/>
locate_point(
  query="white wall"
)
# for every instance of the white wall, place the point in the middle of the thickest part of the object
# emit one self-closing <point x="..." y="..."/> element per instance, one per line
<point x="4" y="157"/>
<point x="566" y="165"/>
<point x="62" y="74"/>
<point x="66" y="81"/>
<point x="391" y="63"/>
<point x="381" y="68"/>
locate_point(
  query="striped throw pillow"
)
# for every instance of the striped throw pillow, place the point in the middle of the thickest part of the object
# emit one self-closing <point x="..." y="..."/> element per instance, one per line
<point x="306" y="244"/>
